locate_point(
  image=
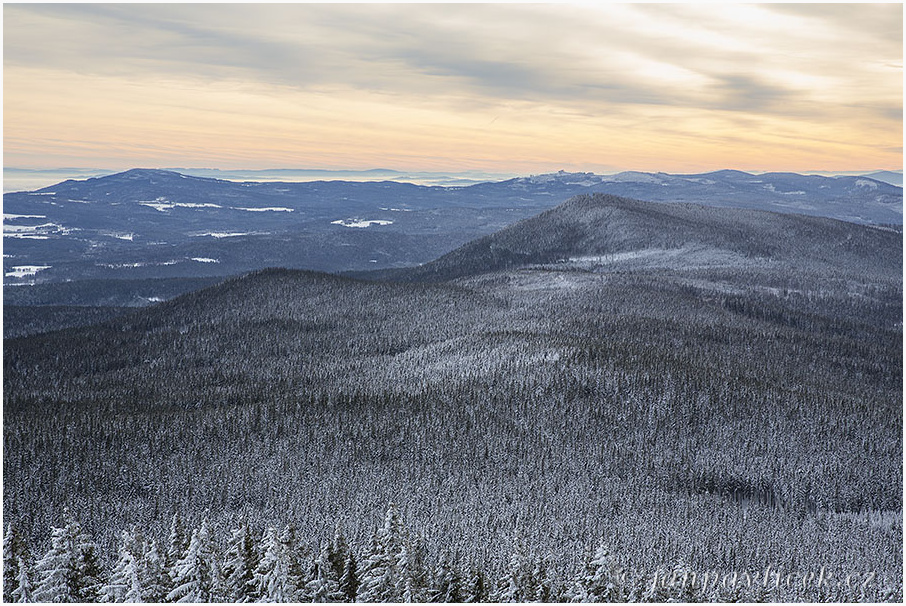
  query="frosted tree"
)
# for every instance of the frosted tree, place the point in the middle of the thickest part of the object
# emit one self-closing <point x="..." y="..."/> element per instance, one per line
<point x="240" y="562"/>
<point x="604" y="580"/>
<point x="676" y="584"/>
<point x="178" y="542"/>
<point x="325" y="587"/>
<point x="125" y="578"/>
<point x="69" y="571"/>
<point x="405" y="585"/>
<point x="447" y="585"/>
<point x="155" y="578"/>
<point x="349" y="580"/>
<point x="385" y="571"/>
<point x="541" y="586"/>
<point x="24" y="591"/>
<point x="196" y="576"/>
<point x="476" y="587"/>
<point x="337" y="552"/>
<point x="517" y="584"/>
<point x="373" y="584"/>
<point x="277" y="577"/>
<point x="15" y="551"/>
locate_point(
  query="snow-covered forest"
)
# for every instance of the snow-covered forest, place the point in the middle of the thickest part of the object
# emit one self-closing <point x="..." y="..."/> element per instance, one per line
<point x="693" y="418"/>
<point x="272" y="565"/>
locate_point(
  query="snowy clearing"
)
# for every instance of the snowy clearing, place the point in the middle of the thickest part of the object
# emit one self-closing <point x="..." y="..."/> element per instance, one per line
<point x="22" y="271"/>
<point x="277" y="209"/>
<point x="687" y="257"/>
<point x="163" y="204"/>
<point x="36" y="232"/>
<point x="140" y="264"/>
<point x="226" y="234"/>
<point x="360" y="222"/>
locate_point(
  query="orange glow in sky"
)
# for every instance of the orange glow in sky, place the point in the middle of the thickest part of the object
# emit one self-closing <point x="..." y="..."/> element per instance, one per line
<point x="507" y="88"/>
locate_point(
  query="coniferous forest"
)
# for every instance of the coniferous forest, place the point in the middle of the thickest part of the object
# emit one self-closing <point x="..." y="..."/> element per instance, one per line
<point x="612" y="401"/>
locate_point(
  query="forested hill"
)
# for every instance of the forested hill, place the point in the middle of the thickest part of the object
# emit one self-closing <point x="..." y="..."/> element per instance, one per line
<point x="715" y="389"/>
<point x="605" y="229"/>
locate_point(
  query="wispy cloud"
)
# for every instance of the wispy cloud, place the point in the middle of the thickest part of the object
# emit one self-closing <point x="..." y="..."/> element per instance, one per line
<point x="416" y="72"/>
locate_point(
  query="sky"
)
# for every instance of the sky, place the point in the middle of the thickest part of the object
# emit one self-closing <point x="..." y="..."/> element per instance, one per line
<point x="507" y="88"/>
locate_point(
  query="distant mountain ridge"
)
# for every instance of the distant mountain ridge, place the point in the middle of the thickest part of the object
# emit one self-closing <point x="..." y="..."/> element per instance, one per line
<point x="149" y="223"/>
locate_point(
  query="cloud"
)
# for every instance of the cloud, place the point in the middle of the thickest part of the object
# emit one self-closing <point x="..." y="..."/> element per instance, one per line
<point x="660" y="54"/>
<point x="537" y="66"/>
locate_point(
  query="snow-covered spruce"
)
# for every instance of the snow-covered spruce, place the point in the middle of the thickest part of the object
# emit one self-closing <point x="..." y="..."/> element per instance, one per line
<point x="273" y="567"/>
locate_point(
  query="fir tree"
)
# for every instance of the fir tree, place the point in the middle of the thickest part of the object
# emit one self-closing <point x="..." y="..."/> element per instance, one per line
<point x="178" y="542"/>
<point x="325" y="586"/>
<point x="239" y="566"/>
<point x="386" y="574"/>
<point x="69" y="571"/>
<point x="604" y="580"/>
<point x="373" y="585"/>
<point x="447" y="585"/>
<point x="15" y="550"/>
<point x="24" y="591"/>
<point x="155" y="578"/>
<point x="338" y="551"/>
<point x="476" y="587"/>
<point x="517" y="584"/>
<point x="277" y="578"/>
<point x="125" y="578"/>
<point x="349" y="581"/>
<point x="196" y="577"/>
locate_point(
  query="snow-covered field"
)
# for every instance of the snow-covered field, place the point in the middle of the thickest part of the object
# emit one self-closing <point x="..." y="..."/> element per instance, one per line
<point x="360" y="222"/>
<point x="225" y="234"/>
<point x="276" y="209"/>
<point x="23" y="271"/>
<point x="685" y="257"/>
<point x="41" y="231"/>
<point x="163" y="204"/>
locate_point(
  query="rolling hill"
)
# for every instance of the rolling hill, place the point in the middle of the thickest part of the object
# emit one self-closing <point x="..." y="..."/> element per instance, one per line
<point x="605" y="229"/>
<point x="713" y="387"/>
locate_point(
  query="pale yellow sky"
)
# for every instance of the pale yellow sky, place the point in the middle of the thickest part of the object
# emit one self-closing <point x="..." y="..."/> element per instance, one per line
<point x="502" y="87"/>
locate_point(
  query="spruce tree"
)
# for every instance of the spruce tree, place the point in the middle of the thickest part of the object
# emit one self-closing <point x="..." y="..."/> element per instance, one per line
<point x="125" y="578"/>
<point x="518" y="584"/>
<point x="178" y="542"/>
<point x="387" y="573"/>
<point x="349" y="581"/>
<point x="24" y="591"/>
<point x="239" y="566"/>
<point x="604" y="580"/>
<point x="476" y="587"/>
<point x="325" y="586"/>
<point x="15" y="550"/>
<point x="277" y="578"/>
<point x="373" y="581"/>
<point x="155" y="578"/>
<point x="70" y="570"/>
<point x="447" y="584"/>
<point x="338" y="551"/>
<point x="196" y="576"/>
